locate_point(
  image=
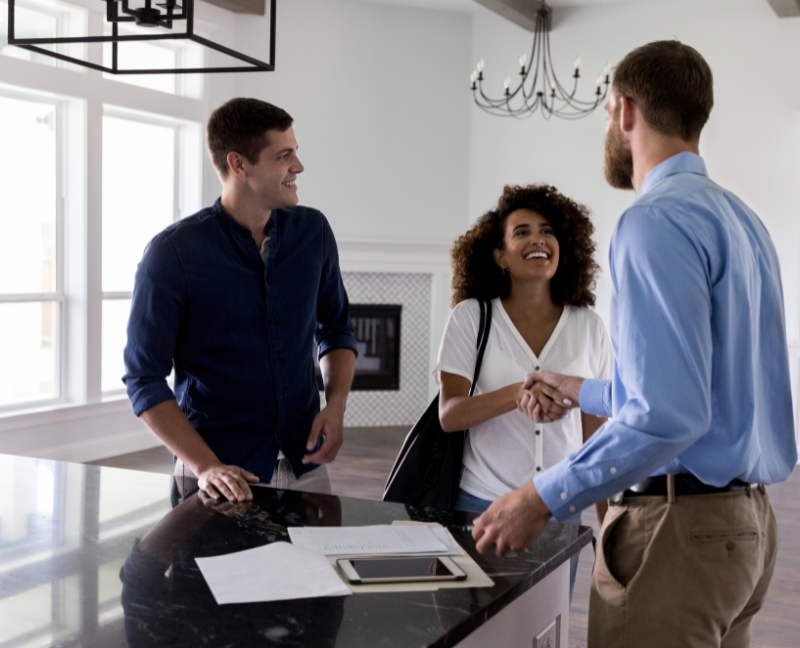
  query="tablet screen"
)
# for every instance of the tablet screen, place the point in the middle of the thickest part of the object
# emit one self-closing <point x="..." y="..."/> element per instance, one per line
<point x="401" y="568"/>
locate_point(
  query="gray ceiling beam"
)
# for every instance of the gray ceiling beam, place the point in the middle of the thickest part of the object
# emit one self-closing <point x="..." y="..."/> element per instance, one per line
<point x="520" y="12"/>
<point x="784" y="8"/>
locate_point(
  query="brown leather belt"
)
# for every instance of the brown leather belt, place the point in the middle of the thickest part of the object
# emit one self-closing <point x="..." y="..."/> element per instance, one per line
<point x="684" y="485"/>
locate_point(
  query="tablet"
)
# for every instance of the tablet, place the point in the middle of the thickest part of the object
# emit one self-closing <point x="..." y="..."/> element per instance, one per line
<point x="363" y="571"/>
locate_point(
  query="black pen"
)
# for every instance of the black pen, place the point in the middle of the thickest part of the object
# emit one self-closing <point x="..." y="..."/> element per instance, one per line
<point x="467" y="528"/>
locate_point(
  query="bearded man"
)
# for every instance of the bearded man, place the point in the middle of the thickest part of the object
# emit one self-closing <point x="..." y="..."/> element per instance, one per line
<point x="700" y="397"/>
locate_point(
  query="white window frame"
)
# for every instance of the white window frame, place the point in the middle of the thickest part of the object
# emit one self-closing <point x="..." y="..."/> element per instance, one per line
<point x="58" y="296"/>
<point x="83" y="96"/>
<point x="184" y="204"/>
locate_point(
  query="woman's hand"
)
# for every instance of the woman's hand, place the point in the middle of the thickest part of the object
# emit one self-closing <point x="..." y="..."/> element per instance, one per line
<point x="543" y="403"/>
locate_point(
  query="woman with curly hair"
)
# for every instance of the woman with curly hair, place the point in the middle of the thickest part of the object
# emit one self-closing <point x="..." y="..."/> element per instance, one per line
<point x="533" y="258"/>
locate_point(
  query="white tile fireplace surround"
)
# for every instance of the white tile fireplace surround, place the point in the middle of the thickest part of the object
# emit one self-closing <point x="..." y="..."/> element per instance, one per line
<point x="414" y="274"/>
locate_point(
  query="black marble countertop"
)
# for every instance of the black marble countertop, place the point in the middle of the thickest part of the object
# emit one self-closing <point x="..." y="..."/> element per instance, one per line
<point x="102" y="557"/>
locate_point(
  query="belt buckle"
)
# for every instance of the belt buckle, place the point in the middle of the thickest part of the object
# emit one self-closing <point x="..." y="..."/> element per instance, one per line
<point x="616" y="499"/>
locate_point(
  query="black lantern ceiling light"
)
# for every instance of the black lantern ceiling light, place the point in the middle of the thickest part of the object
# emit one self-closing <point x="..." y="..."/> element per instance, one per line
<point x="161" y="15"/>
<point x="545" y="91"/>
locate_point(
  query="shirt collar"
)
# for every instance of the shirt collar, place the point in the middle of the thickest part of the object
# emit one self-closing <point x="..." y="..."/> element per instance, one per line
<point x="681" y="163"/>
<point x="236" y="227"/>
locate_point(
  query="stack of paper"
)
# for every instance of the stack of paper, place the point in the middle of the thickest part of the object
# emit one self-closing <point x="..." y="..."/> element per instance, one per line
<point x="274" y="572"/>
<point x="282" y="571"/>
<point x="375" y="540"/>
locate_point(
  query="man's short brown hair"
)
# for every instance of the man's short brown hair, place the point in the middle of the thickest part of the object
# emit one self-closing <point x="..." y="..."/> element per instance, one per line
<point x="671" y="84"/>
<point x="241" y="125"/>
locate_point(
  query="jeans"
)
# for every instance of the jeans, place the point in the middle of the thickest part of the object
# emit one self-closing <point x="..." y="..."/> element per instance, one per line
<point x="472" y="504"/>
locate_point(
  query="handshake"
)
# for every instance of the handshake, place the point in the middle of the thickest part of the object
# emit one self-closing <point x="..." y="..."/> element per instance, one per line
<point x="547" y="396"/>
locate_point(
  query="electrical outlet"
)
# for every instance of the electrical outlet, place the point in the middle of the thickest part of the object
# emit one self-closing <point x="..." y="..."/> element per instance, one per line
<point x="550" y="636"/>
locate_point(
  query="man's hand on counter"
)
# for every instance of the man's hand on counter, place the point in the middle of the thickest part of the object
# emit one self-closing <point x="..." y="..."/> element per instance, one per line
<point x="330" y="424"/>
<point x="512" y="523"/>
<point x="230" y="482"/>
<point x="227" y="508"/>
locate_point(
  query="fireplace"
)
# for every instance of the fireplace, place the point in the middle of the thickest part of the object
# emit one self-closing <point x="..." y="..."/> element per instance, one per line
<point x="377" y="332"/>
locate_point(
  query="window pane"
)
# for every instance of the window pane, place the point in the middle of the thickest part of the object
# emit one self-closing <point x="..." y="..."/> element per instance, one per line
<point x="28" y="23"/>
<point x="115" y="323"/>
<point x="143" y="55"/>
<point x="28" y="187"/>
<point x="28" y="352"/>
<point x="138" y="194"/>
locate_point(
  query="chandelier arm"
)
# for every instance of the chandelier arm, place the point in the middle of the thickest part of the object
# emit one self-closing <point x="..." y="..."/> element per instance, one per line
<point x="112" y="13"/>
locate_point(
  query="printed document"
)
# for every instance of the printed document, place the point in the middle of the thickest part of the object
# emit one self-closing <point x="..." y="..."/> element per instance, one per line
<point x="275" y="572"/>
<point x="368" y="540"/>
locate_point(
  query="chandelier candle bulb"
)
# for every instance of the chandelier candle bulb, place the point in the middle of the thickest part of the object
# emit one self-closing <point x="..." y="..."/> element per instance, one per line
<point x="562" y="101"/>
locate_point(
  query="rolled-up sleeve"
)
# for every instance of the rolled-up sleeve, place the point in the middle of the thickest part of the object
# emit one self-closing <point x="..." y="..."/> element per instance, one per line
<point x="595" y="397"/>
<point x="159" y="298"/>
<point x="334" y="328"/>
<point x="662" y="375"/>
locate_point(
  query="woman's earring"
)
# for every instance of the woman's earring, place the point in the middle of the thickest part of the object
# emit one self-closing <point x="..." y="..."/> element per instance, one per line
<point x="505" y="271"/>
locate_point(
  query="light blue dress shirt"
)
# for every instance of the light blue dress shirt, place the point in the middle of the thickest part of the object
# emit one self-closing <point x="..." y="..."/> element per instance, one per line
<point x="701" y="371"/>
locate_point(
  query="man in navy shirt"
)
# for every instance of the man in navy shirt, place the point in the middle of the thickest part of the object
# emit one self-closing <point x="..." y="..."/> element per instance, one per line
<point x="233" y="299"/>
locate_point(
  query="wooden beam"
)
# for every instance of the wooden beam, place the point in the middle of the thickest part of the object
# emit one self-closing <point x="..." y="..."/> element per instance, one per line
<point x="520" y="12"/>
<point x="786" y="8"/>
<point x="253" y="7"/>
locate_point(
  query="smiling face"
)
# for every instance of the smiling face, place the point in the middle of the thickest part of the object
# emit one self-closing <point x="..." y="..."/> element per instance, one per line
<point x="531" y="248"/>
<point x="272" y="178"/>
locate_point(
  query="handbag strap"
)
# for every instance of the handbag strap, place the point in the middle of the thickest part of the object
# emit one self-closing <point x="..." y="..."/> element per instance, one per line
<point x="484" y="329"/>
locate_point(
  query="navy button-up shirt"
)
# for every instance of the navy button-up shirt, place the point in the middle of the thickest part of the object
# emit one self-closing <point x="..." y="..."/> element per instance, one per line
<point x="239" y="333"/>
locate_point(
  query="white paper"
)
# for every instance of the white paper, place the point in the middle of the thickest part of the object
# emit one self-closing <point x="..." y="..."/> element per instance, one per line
<point x="275" y="572"/>
<point x="446" y="538"/>
<point x="367" y="540"/>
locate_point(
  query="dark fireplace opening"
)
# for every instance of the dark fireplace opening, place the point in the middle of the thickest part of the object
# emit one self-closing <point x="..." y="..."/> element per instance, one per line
<point x="377" y="332"/>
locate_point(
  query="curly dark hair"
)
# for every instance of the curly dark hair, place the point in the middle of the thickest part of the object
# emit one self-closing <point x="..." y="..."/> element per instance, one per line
<point x="477" y="276"/>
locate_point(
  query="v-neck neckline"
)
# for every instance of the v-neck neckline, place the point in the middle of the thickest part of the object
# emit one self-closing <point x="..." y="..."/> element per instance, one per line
<point x="538" y="361"/>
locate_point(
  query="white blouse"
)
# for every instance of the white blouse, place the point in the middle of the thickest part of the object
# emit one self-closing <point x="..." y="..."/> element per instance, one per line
<point x="508" y="451"/>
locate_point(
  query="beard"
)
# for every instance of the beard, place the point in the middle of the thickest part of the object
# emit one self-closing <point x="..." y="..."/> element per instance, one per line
<point x="618" y="159"/>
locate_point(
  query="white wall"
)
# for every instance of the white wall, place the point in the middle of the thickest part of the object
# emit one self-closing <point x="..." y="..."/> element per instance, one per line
<point x="751" y="144"/>
<point x="381" y="112"/>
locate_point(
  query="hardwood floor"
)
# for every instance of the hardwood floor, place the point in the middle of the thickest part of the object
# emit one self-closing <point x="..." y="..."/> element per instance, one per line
<point x="367" y="455"/>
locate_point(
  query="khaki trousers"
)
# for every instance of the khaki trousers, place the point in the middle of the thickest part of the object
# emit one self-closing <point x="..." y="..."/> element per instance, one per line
<point x="687" y="574"/>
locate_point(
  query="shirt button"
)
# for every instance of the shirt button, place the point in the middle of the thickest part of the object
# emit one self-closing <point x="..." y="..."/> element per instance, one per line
<point x="537" y="367"/>
<point x="563" y="496"/>
<point x="613" y="471"/>
<point x="279" y="355"/>
<point x="538" y="469"/>
<point x="272" y="320"/>
<point x="571" y="509"/>
<point x="538" y="432"/>
<point x="284" y="396"/>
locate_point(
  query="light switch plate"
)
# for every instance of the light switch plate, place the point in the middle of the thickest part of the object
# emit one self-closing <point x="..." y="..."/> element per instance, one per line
<point x="550" y="637"/>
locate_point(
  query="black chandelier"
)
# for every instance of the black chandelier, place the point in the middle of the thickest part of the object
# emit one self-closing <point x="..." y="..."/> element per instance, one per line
<point x="161" y="15"/>
<point x="545" y="90"/>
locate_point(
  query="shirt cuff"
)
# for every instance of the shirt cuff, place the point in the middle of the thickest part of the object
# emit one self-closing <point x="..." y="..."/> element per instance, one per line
<point x="149" y="396"/>
<point x="595" y="397"/>
<point x="554" y="487"/>
<point x="341" y="341"/>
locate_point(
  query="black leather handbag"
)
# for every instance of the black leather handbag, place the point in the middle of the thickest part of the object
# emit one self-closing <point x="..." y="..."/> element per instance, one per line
<point x="427" y="470"/>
